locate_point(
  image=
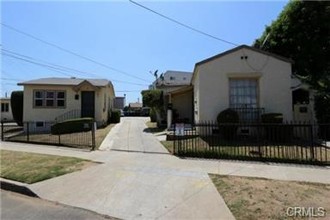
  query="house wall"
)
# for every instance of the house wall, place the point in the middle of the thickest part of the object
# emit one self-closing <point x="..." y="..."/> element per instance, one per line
<point x="103" y="103"/>
<point x="182" y="103"/>
<point x="212" y="83"/>
<point x="6" y="116"/>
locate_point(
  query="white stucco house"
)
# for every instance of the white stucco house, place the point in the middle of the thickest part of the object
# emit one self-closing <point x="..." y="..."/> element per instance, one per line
<point x="174" y="86"/>
<point x="247" y="79"/>
<point x="6" y="113"/>
<point x="56" y="99"/>
<point x="171" y="80"/>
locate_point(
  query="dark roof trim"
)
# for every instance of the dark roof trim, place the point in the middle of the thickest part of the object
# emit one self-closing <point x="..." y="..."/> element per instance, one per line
<point x="245" y="47"/>
<point x="181" y="90"/>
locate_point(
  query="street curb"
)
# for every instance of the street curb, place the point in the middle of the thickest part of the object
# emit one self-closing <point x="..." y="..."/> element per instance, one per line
<point x="17" y="187"/>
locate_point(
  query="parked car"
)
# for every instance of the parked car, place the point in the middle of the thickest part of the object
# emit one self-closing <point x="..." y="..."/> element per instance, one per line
<point x="145" y="111"/>
<point x="121" y="113"/>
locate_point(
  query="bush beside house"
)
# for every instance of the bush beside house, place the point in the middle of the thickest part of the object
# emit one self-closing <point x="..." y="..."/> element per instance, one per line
<point x="16" y="102"/>
<point x="225" y="120"/>
<point x="115" y="116"/>
<point x="72" y="126"/>
<point x="275" y="129"/>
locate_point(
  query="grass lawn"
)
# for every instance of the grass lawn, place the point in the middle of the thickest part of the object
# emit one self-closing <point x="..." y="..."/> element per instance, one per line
<point x="30" y="167"/>
<point x="217" y="148"/>
<point x="169" y="145"/>
<point x="257" y="198"/>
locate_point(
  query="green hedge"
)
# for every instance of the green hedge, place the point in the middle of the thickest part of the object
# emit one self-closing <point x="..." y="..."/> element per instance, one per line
<point x="153" y="116"/>
<point x="272" y="118"/>
<point x="115" y="116"/>
<point x="72" y="126"/>
<point x="275" y="130"/>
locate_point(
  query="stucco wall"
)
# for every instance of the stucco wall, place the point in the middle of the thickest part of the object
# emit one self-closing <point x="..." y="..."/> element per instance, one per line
<point x="49" y="114"/>
<point x="182" y="103"/>
<point x="212" y="83"/>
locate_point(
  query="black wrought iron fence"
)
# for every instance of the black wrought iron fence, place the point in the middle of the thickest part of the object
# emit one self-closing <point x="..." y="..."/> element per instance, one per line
<point x="250" y="115"/>
<point x="32" y="132"/>
<point x="288" y="142"/>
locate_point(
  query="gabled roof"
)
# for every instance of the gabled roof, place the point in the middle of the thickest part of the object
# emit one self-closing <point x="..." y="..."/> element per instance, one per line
<point x="65" y="81"/>
<point x="236" y="49"/>
<point x="244" y="47"/>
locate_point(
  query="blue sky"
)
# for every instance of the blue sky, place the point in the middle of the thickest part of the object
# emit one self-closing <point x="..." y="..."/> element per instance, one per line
<point x="124" y="36"/>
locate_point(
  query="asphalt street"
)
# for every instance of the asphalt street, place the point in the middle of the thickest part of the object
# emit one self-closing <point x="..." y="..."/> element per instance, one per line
<point x="16" y="206"/>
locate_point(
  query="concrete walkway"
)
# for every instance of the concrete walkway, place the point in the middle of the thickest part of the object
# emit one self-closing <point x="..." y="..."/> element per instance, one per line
<point x="139" y="180"/>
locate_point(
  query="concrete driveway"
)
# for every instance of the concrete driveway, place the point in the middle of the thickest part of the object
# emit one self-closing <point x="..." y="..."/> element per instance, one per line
<point x="138" y="180"/>
<point x="130" y="136"/>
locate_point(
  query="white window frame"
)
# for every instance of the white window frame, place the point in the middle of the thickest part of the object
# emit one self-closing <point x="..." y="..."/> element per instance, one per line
<point x="44" y="98"/>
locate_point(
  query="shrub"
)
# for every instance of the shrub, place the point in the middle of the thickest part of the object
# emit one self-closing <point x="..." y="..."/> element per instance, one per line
<point x="276" y="131"/>
<point x="115" y="116"/>
<point x="272" y="118"/>
<point x="226" y="121"/>
<point x="153" y="116"/>
<point x="16" y="103"/>
<point x="72" y="126"/>
<point x="322" y="112"/>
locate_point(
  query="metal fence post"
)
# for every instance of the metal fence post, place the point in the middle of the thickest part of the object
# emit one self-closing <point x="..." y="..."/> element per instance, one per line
<point x="27" y="131"/>
<point x="174" y="137"/>
<point x="312" y="141"/>
<point x="93" y="135"/>
<point x="2" y="130"/>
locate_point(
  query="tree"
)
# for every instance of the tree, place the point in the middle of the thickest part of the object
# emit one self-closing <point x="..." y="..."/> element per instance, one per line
<point x="155" y="100"/>
<point x="301" y="32"/>
<point x="16" y="102"/>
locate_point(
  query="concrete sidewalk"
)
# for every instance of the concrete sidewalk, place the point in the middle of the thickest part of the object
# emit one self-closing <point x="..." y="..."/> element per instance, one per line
<point x="139" y="180"/>
<point x="289" y="172"/>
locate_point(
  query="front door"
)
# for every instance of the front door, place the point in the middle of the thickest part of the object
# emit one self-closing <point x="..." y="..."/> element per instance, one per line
<point x="88" y="104"/>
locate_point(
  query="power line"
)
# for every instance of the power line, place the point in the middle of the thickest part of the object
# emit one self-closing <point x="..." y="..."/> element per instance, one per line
<point x="9" y="79"/>
<point x="182" y="24"/>
<point x="55" y="67"/>
<point x="6" y="84"/>
<point x="36" y="63"/>
<point x="129" y="91"/>
<point x="72" y="53"/>
<point x="67" y="69"/>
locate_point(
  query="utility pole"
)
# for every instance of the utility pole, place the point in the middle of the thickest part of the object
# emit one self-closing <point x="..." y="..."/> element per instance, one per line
<point x="155" y="75"/>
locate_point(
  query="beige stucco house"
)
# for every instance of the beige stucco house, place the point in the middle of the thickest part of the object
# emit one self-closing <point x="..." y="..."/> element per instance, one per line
<point x="247" y="79"/>
<point x="6" y="113"/>
<point x="56" y="99"/>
